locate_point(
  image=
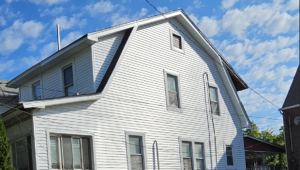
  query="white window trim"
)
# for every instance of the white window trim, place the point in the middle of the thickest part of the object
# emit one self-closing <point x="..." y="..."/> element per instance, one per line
<point x="58" y="132"/>
<point x="171" y="39"/>
<point x="179" y="109"/>
<point x="233" y="156"/>
<point x="219" y="104"/>
<point x="62" y="76"/>
<point x="193" y="141"/>
<point x="142" y="135"/>
<point x="33" y="92"/>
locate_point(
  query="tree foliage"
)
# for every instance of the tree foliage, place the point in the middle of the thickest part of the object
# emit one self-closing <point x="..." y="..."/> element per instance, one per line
<point x="5" y="160"/>
<point x="270" y="136"/>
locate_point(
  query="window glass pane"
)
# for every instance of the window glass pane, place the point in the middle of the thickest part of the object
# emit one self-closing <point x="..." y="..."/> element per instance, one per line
<point x="173" y="99"/>
<point x="54" y="152"/>
<point x="186" y="149"/>
<point x="68" y="76"/>
<point x="229" y="155"/>
<point x="228" y="150"/>
<point x="187" y="164"/>
<point x="177" y="41"/>
<point x="134" y="144"/>
<point x="22" y="155"/>
<point x="67" y="152"/>
<point x="14" y="155"/>
<point x="199" y="150"/>
<point x="69" y="90"/>
<point x="172" y="83"/>
<point x="76" y="153"/>
<point x="86" y="153"/>
<point x="37" y="91"/>
<point x="213" y="94"/>
<point x="200" y="164"/>
<point x="214" y="108"/>
<point x="136" y="162"/>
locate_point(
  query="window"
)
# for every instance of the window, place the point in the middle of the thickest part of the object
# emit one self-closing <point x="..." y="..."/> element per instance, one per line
<point x="176" y="42"/>
<point x="37" y="90"/>
<point x="68" y="81"/>
<point x="192" y="153"/>
<point x="214" y="104"/>
<point x="229" y="155"/>
<point x="70" y="152"/>
<point x="136" y="151"/>
<point x="21" y="154"/>
<point x="187" y="156"/>
<point x="172" y="91"/>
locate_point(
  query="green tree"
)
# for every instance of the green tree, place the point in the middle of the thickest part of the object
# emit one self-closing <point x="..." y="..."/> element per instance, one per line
<point x="270" y="136"/>
<point x="5" y="160"/>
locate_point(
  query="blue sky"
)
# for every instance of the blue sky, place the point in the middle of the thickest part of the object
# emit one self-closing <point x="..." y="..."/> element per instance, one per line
<point x="260" y="38"/>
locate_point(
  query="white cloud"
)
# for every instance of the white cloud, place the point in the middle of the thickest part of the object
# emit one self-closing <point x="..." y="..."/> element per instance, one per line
<point x="228" y="3"/>
<point x="197" y="4"/>
<point x="67" y="23"/>
<point x="100" y="7"/>
<point x="48" y="49"/>
<point x="282" y="23"/>
<point x="269" y="16"/>
<point x="53" y="12"/>
<point x="163" y="9"/>
<point x="2" y="21"/>
<point x="48" y="2"/>
<point x="13" y="37"/>
<point x="194" y="18"/>
<point x="120" y="18"/>
<point x="209" y="26"/>
<point x="30" y="61"/>
<point x="292" y="5"/>
<point x="72" y="36"/>
<point x="4" y="66"/>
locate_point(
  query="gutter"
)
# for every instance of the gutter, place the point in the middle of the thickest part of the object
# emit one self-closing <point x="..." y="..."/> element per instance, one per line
<point x="41" y="104"/>
<point x="289" y="107"/>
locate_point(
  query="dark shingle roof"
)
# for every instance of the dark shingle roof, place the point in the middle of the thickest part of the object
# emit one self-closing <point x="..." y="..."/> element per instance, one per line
<point x="9" y="96"/>
<point x="293" y="95"/>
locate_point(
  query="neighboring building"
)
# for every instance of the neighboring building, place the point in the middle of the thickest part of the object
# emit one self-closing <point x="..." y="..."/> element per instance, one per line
<point x="291" y="113"/>
<point x="8" y="96"/>
<point x="256" y="151"/>
<point x="102" y="101"/>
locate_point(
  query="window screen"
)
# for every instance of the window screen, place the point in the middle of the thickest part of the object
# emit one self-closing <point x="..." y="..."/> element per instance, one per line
<point x="54" y="152"/>
<point x="187" y="156"/>
<point x="136" y="155"/>
<point x="37" y="91"/>
<point x="177" y="41"/>
<point x="214" y="105"/>
<point x="173" y="91"/>
<point x="68" y="81"/>
<point x="229" y="155"/>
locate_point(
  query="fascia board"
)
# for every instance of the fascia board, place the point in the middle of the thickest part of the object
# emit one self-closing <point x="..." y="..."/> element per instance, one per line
<point x="289" y="107"/>
<point x="59" y="101"/>
<point x="220" y="67"/>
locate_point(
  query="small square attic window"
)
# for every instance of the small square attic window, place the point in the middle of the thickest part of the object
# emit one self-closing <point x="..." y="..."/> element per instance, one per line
<point x="177" y="41"/>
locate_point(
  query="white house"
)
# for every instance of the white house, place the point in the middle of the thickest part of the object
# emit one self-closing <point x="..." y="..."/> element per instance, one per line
<point x="102" y="101"/>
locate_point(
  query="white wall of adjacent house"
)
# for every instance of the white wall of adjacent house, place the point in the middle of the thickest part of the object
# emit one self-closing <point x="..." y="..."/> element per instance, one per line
<point x="52" y="79"/>
<point x="136" y="101"/>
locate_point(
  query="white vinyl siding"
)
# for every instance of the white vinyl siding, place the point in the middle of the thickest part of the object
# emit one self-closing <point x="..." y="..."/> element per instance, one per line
<point x="136" y="101"/>
<point x="52" y="79"/>
<point x="103" y="52"/>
